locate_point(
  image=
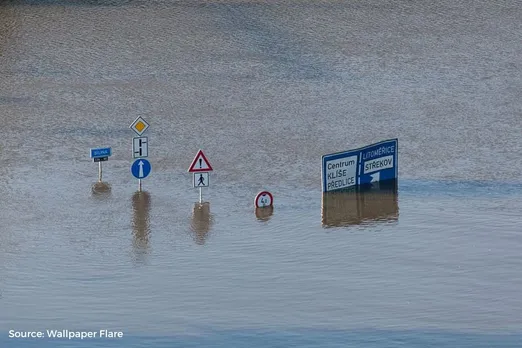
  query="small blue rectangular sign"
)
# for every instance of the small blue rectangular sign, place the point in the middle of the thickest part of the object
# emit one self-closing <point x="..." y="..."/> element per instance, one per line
<point x="101" y="152"/>
<point x="366" y="165"/>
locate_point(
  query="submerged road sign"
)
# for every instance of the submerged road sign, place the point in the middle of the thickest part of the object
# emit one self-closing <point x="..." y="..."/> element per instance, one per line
<point x="363" y="166"/>
<point x="264" y="199"/>
<point x="100" y="155"/>
<point x="200" y="163"/>
<point x="140" y="168"/>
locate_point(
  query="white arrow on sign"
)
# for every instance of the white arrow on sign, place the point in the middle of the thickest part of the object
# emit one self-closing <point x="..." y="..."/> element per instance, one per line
<point x="376" y="177"/>
<point x="140" y="172"/>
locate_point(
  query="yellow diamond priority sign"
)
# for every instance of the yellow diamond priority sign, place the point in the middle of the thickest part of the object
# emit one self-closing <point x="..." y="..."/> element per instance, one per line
<point x="139" y="125"/>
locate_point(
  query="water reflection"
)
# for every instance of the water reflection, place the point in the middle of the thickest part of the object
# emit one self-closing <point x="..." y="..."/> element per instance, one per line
<point x="101" y="190"/>
<point x="378" y="203"/>
<point x="201" y="222"/>
<point x="264" y="213"/>
<point x="140" y="223"/>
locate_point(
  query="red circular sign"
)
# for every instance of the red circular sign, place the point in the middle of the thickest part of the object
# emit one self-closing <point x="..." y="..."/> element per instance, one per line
<point x="264" y="199"/>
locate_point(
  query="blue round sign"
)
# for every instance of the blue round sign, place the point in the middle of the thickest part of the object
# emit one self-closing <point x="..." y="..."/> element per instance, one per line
<point x="141" y="168"/>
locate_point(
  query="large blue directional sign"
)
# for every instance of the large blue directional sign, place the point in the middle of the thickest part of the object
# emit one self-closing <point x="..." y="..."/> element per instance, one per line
<point x="101" y="152"/>
<point x="363" y="166"/>
<point x="141" y="168"/>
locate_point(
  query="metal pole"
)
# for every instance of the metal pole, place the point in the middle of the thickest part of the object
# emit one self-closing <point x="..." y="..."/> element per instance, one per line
<point x="99" y="171"/>
<point x="139" y="185"/>
<point x="200" y="196"/>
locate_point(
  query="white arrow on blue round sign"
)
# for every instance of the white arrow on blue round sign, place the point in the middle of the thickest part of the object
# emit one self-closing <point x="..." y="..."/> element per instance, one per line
<point x="141" y="168"/>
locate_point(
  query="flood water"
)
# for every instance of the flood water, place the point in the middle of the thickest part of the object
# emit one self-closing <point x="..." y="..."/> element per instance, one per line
<point x="264" y="88"/>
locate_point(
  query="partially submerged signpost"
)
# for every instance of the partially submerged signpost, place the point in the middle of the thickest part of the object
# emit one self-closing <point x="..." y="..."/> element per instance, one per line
<point x="141" y="167"/>
<point x="360" y="167"/>
<point x="264" y="203"/>
<point x="100" y="155"/>
<point x="373" y="167"/>
<point x="200" y="168"/>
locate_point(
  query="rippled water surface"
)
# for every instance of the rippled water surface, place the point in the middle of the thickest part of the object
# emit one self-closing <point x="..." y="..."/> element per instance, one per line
<point x="265" y="88"/>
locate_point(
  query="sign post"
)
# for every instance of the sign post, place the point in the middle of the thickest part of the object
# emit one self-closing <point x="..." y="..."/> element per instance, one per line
<point x="201" y="180"/>
<point x="364" y="166"/>
<point x="100" y="155"/>
<point x="264" y="203"/>
<point x="140" y="149"/>
<point x="200" y="167"/>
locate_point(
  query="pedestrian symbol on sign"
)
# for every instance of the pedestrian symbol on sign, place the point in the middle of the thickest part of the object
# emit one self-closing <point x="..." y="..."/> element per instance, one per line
<point x="201" y="179"/>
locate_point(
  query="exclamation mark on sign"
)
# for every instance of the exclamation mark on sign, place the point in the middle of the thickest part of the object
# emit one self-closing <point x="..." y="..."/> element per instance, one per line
<point x="200" y="163"/>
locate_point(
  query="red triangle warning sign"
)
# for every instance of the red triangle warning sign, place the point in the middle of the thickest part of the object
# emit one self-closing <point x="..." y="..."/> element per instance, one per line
<point x="200" y="163"/>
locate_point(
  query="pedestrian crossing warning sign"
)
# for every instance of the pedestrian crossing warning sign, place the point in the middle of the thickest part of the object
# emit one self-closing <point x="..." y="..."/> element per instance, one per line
<point x="201" y="179"/>
<point x="200" y="163"/>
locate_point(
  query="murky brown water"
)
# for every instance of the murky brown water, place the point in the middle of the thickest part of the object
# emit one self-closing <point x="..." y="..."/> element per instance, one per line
<point x="264" y="88"/>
